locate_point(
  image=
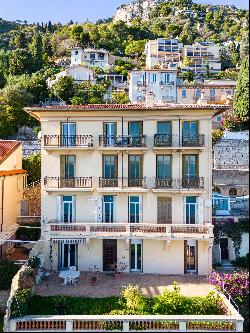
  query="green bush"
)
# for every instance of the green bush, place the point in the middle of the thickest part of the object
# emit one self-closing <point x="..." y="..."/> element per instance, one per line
<point x="7" y="271"/>
<point x="132" y="301"/>
<point x="242" y="262"/>
<point x="32" y="164"/>
<point x="21" y="303"/>
<point x="34" y="262"/>
<point x="27" y="278"/>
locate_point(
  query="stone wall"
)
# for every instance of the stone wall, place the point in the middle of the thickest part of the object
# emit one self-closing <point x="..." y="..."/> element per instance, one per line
<point x="33" y="194"/>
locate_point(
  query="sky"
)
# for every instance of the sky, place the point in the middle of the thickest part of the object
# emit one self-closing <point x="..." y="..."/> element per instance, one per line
<point x="77" y="10"/>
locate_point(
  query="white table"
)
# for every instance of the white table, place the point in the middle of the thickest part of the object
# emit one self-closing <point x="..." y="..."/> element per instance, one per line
<point x="72" y="275"/>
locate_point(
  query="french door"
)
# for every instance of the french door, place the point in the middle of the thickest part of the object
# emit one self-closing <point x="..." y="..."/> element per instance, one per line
<point x="68" y="256"/>
<point x="135" y="171"/>
<point x="191" y="257"/>
<point x="108" y="209"/>
<point x="68" y="131"/>
<point x="109" y="254"/>
<point x="136" y="256"/>
<point x="191" y="210"/>
<point x="190" y="171"/>
<point x="109" y="134"/>
<point x="68" y="209"/>
<point x="135" y="209"/>
<point x="189" y="132"/>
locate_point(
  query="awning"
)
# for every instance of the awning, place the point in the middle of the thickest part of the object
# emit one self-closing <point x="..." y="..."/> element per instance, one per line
<point x="68" y="240"/>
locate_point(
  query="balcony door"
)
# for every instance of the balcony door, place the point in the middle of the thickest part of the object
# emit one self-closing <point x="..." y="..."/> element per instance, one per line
<point x="135" y="170"/>
<point x="164" y="133"/>
<point x="191" y="210"/>
<point x="67" y="167"/>
<point x="68" y="134"/>
<point x="66" y="208"/>
<point x="108" y="208"/>
<point x="135" y="209"/>
<point x="190" y="171"/>
<point x="110" y="170"/>
<point x="190" y="133"/>
<point x="136" y="256"/>
<point x="68" y="255"/>
<point x="164" y="210"/>
<point x="109" y="132"/>
<point x="163" y="170"/>
<point x="135" y="131"/>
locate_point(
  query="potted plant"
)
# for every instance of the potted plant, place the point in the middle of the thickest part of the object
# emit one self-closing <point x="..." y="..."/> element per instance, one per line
<point x="119" y="267"/>
<point x="93" y="269"/>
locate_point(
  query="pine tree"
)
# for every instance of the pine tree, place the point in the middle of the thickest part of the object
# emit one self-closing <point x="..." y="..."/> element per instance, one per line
<point x="36" y="49"/>
<point x="241" y="98"/>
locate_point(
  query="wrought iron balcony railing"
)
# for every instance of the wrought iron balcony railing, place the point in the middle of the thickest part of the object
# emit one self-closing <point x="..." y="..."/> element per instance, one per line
<point x="163" y="140"/>
<point x="169" y="140"/>
<point x="193" y="140"/>
<point x="61" y="182"/>
<point x="122" y="182"/>
<point x="68" y="140"/>
<point x="180" y="183"/>
<point x="122" y="141"/>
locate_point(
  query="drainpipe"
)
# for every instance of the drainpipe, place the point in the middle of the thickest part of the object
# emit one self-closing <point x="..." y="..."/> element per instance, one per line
<point x="2" y="211"/>
<point x="122" y="151"/>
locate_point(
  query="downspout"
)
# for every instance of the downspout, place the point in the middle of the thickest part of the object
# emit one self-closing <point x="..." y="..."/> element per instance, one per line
<point x="2" y="211"/>
<point x="122" y="150"/>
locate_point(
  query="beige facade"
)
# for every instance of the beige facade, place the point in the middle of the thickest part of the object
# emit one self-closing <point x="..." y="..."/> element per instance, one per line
<point x="139" y="200"/>
<point x="12" y="179"/>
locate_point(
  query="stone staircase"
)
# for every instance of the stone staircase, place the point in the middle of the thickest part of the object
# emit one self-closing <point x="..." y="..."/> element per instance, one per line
<point x="227" y="266"/>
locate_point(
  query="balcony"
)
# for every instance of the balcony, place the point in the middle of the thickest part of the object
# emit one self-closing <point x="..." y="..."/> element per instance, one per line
<point x="123" y="184"/>
<point x="130" y="231"/>
<point x="114" y="142"/>
<point x="52" y="184"/>
<point x="55" y="142"/>
<point x="168" y="141"/>
<point x="170" y="83"/>
<point x="179" y="184"/>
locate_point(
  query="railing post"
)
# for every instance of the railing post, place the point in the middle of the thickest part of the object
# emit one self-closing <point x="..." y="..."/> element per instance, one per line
<point x="239" y="326"/>
<point x="69" y="326"/>
<point x="182" y="326"/>
<point x="125" y="326"/>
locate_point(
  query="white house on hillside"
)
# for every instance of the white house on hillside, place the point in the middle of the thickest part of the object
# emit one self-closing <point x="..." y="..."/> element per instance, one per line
<point x="162" y="83"/>
<point x="90" y="57"/>
<point x="79" y="73"/>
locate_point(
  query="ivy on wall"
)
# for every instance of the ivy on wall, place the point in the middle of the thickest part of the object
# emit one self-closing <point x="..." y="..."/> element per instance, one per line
<point x="231" y="229"/>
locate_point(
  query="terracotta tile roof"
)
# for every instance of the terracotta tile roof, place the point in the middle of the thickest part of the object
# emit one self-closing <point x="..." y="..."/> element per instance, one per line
<point x="7" y="147"/>
<point x="12" y="172"/>
<point x="118" y="107"/>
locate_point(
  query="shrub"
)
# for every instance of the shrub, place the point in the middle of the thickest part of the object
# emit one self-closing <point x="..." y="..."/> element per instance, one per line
<point x="34" y="262"/>
<point x="134" y="300"/>
<point x="29" y="234"/>
<point x="61" y="305"/>
<point x="21" y="303"/>
<point x="242" y="262"/>
<point x="7" y="271"/>
<point x="27" y="278"/>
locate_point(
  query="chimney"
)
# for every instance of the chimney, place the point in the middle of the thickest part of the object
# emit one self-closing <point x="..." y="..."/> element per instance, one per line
<point x="202" y="100"/>
<point x="150" y="100"/>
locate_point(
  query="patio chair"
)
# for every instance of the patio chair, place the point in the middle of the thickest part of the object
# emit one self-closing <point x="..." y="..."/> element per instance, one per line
<point x="67" y="280"/>
<point x="74" y="281"/>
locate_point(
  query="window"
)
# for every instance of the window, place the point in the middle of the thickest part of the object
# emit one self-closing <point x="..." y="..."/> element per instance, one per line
<point x="154" y="78"/>
<point x="212" y="95"/>
<point x="135" y="128"/>
<point x="197" y="93"/>
<point x="92" y="56"/>
<point x="68" y="209"/>
<point x="163" y="166"/>
<point x="135" y="209"/>
<point x="166" y="78"/>
<point x="190" y="166"/>
<point x="218" y="118"/>
<point x="109" y="133"/>
<point x="184" y="93"/>
<point x="108" y="209"/>
<point x="190" y="133"/>
<point x="135" y="167"/>
<point x="68" y="134"/>
<point x="68" y="166"/>
<point x="110" y="166"/>
<point x="191" y="208"/>
<point x="76" y="52"/>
